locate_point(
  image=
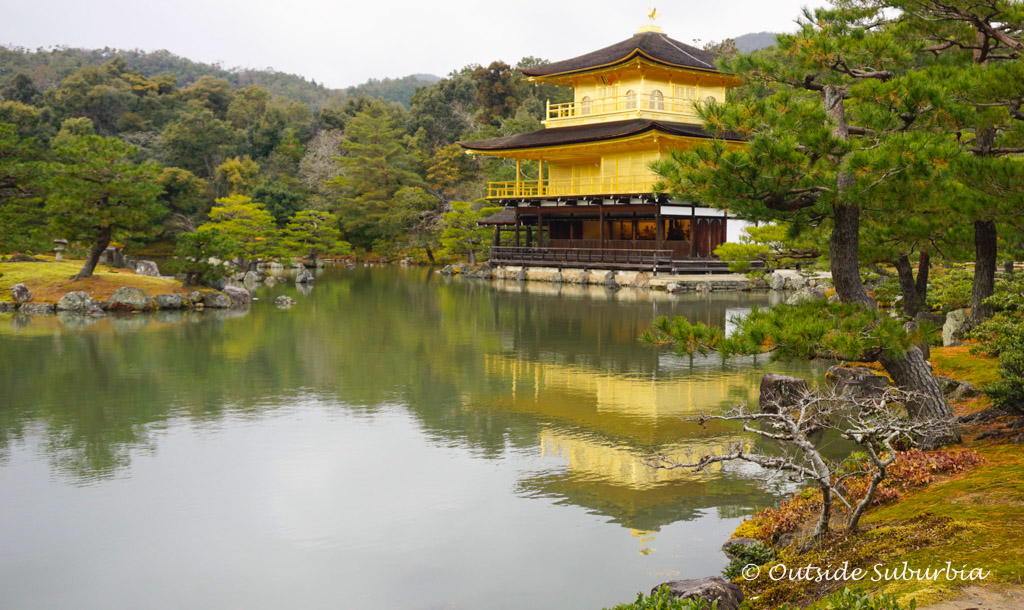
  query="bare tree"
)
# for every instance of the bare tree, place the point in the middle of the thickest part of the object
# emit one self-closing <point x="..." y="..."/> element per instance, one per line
<point x="877" y="423"/>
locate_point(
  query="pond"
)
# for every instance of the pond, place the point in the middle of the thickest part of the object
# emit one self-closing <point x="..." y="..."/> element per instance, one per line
<point x="396" y="440"/>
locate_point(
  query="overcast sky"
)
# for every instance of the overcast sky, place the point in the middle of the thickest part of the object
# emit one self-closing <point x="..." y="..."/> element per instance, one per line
<point x="345" y="42"/>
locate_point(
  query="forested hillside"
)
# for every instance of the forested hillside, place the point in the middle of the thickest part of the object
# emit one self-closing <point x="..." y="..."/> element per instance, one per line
<point x="385" y="172"/>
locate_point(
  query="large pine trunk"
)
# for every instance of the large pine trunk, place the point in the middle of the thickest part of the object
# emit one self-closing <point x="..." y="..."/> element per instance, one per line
<point x="915" y="292"/>
<point x="102" y="241"/>
<point x="911" y="371"/>
<point x="985" y="255"/>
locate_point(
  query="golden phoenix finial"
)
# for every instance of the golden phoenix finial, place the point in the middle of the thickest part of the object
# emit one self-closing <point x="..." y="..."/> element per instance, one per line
<point x="652" y="14"/>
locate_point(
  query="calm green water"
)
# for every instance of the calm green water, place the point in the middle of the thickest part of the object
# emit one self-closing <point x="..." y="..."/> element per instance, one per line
<point x="395" y="440"/>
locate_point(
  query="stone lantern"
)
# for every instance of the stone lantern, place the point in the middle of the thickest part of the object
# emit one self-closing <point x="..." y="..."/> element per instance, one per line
<point x="59" y="245"/>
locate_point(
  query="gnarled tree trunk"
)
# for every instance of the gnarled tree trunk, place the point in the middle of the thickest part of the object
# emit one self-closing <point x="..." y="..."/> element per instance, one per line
<point x="910" y="371"/>
<point x="915" y="292"/>
<point x="94" y="254"/>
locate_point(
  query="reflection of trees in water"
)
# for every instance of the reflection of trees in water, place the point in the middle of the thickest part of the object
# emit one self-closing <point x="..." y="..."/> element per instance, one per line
<point x="94" y="394"/>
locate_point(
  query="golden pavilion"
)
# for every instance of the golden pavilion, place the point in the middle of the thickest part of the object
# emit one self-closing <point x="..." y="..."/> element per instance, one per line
<point x="592" y="203"/>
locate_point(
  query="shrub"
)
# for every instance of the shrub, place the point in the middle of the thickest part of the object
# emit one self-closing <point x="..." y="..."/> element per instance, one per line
<point x="1002" y="336"/>
<point x="663" y="600"/>
<point x="746" y="554"/>
<point x="950" y="289"/>
<point x="855" y="599"/>
<point x="913" y="468"/>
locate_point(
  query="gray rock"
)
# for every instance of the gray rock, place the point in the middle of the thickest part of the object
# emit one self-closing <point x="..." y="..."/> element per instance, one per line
<point x="304" y="276"/>
<point x="610" y="282"/>
<point x="194" y="297"/>
<point x="776" y="281"/>
<point x="780" y="391"/>
<point x="240" y="297"/>
<point x="36" y="309"/>
<point x="147" y="268"/>
<point x="714" y="589"/>
<point x="8" y="307"/>
<point x="446" y="270"/>
<point x="21" y="293"/>
<point x="675" y="287"/>
<point x="251" y="277"/>
<point x="857" y="381"/>
<point x="521" y="274"/>
<point x="128" y="298"/>
<point x="805" y="295"/>
<point x="964" y="391"/>
<point x="284" y="302"/>
<point x="270" y="281"/>
<point x="641" y="281"/>
<point x="702" y="287"/>
<point x="169" y="301"/>
<point x="956" y="326"/>
<point x="796" y="282"/>
<point x="582" y="278"/>
<point x="216" y="300"/>
<point x="76" y="301"/>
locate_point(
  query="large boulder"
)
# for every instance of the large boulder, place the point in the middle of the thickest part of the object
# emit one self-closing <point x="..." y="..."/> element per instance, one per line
<point x="36" y="309"/>
<point x="146" y="268"/>
<point x="776" y="281"/>
<point x="76" y="302"/>
<point x="169" y="301"/>
<point x="711" y="590"/>
<point x="641" y="281"/>
<point x="252" y="277"/>
<point x="857" y="381"/>
<point x="284" y="302"/>
<point x="957" y="324"/>
<point x="610" y="281"/>
<point x="129" y="298"/>
<point x="675" y="287"/>
<point x="780" y="392"/>
<point x="521" y="274"/>
<point x="240" y="297"/>
<point x="447" y="270"/>
<point x="21" y="293"/>
<point x="216" y="300"/>
<point x="304" y="276"/>
<point x="796" y="282"/>
<point x="112" y="257"/>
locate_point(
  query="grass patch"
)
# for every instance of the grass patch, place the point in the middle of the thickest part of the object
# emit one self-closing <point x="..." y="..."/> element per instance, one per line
<point x="959" y="363"/>
<point x="50" y="281"/>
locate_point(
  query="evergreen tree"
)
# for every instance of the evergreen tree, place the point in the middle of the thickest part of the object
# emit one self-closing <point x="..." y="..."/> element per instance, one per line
<point x="97" y="192"/>
<point x="314" y="233"/>
<point x="461" y="235"/>
<point x="807" y="163"/>
<point x="248" y="225"/>
<point x="374" y="167"/>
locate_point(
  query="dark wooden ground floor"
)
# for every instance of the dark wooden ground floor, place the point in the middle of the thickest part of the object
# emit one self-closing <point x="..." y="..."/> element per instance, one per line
<point x="607" y="236"/>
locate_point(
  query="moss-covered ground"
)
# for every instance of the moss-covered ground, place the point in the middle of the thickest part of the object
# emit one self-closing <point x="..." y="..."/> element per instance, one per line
<point x="50" y="280"/>
<point x="973" y="518"/>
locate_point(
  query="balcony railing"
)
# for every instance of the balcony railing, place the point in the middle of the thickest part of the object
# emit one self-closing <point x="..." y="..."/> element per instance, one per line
<point x="652" y="102"/>
<point x="644" y="259"/>
<point x="573" y="187"/>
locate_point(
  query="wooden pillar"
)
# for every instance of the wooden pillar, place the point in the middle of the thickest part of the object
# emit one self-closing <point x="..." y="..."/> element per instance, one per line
<point x="600" y="222"/>
<point x="693" y="232"/>
<point x="540" y="227"/>
<point x="657" y="235"/>
<point x="540" y="182"/>
<point x="634" y="231"/>
<point x="497" y="235"/>
<point x="519" y="223"/>
<point x="519" y="182"/>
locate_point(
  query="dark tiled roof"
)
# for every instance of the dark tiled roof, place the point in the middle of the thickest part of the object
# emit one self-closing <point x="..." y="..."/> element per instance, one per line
<point x="587" y="133"/>
<point x="507" y="216"/>
<point x="655" y="45"/>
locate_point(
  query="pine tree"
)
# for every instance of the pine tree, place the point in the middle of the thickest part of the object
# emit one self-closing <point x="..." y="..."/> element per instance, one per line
<point x="97" y="192"/>
<point x="807" y="162"/>
<point x="313" y="233"/>
<point x="375" y="167"/>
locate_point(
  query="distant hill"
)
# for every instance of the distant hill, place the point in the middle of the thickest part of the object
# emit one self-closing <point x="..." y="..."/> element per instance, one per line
<point x="48" y="67"/>
<point x="398" y="90"/>
<point x="754" y="41"/>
